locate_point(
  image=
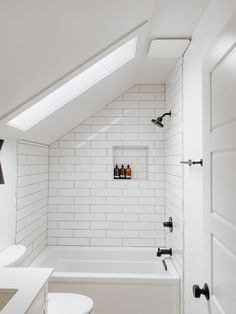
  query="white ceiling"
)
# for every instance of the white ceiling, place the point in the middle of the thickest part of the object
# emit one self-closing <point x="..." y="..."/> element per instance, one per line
<point x="43" y="42"/>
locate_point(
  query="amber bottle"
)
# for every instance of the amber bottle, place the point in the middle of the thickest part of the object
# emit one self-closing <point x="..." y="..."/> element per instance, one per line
<point x="128" y="172"/>
<point x="116" y="172"/>
<point x="122" y="172"/>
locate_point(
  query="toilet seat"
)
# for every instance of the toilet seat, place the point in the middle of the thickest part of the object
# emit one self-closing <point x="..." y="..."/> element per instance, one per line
<point x="69" y="303"/>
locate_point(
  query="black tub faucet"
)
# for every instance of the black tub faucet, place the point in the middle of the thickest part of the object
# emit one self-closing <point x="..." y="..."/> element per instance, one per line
<point x="161" y="252"/>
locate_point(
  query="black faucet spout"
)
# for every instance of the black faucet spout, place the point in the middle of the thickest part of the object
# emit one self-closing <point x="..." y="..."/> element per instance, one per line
<point x="161" y="252"/>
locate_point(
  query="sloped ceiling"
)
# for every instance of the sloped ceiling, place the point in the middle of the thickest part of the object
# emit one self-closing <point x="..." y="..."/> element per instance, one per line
<point x="43" y="41"/>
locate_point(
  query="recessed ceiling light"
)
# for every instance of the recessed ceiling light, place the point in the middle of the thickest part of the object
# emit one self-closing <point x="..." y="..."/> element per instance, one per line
<point x="75" y="86"/>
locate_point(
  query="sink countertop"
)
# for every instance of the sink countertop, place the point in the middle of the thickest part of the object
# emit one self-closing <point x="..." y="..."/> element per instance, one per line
<point x="28" y="282"/>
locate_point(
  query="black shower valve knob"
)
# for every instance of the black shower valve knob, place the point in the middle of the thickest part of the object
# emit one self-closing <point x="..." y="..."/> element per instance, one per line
<point x="168" y="224"/>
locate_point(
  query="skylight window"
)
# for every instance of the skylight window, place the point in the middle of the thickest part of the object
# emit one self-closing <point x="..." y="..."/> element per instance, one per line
<point x="75" y="86"/>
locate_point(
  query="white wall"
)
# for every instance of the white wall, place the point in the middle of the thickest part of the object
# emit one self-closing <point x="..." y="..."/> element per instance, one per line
<point x="32" y="197"/>
<point x="215" y="17"/>
<point x="7" y="194"/>
<point x="88" y="207"/>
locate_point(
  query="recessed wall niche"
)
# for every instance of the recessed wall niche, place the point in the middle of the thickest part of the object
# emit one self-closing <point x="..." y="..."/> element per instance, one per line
<point x="135" y="156"/>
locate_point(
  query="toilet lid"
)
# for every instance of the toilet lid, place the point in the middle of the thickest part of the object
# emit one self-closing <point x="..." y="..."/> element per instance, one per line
<point x="64" y="303"/>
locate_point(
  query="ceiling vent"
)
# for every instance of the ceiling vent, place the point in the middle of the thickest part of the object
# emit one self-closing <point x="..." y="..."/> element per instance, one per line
<point x="168" y="48"/>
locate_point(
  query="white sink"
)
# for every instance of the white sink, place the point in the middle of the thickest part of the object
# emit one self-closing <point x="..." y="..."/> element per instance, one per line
<point x="5" y="296"/>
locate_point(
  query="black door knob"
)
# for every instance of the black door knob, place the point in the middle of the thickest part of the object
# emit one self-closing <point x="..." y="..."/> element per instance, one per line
<point x="197" y="291"/>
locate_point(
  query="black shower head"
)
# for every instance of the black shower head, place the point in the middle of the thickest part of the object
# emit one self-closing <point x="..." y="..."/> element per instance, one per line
<point x="158" y="121"/>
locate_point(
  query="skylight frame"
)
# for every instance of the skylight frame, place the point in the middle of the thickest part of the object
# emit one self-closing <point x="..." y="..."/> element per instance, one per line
<point x="75" y="87"/>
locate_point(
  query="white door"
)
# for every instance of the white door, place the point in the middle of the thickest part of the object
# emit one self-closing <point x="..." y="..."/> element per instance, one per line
<point x="219" y="119"/>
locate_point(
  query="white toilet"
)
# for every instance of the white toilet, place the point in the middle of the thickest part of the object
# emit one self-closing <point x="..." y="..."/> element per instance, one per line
<point x="69" y="303"/>
<point x="58" y="303"/>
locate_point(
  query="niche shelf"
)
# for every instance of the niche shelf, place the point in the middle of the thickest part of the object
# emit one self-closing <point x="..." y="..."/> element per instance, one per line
<point x="136" y="156"/>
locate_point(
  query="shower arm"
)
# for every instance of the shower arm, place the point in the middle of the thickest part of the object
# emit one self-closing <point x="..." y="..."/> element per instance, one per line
<point x="166" y="114"/>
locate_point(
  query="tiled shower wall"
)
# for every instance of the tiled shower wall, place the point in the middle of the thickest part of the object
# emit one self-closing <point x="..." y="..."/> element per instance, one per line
<point x="88" y="207"/>
<point x="32" y="197"/>
<point x="173" y="169"/>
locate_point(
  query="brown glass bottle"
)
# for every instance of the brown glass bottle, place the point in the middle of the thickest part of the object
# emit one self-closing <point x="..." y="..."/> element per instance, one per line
<point x="122" y="172"/>
<point x="128" y="172"/>
<point x="116" y="172"/>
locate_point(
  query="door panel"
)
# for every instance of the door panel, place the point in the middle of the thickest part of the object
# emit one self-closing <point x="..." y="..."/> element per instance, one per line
<point x="223" y="230"/>
<point x="223" y="285"/>
<point x="223" y="91"/>
<point x="223" y="184"/>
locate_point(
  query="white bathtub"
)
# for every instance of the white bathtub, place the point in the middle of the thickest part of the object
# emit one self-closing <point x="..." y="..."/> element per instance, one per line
<point x="119" y="280"/>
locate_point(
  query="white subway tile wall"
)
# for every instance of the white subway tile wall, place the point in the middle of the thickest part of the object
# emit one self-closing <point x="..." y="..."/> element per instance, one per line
<point x="83" y="205"/>
<point x="86" y="206"/>
<point x="173" y="169"/>
<point x="32" y="197"/>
